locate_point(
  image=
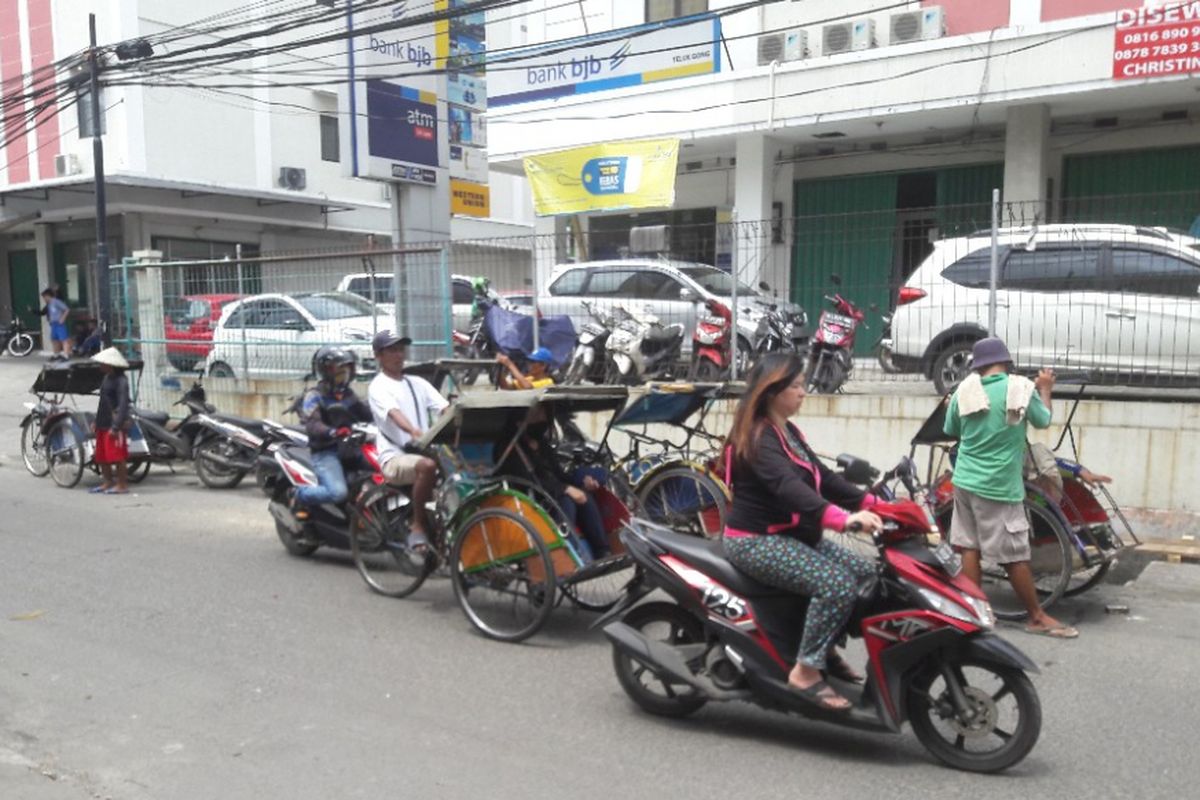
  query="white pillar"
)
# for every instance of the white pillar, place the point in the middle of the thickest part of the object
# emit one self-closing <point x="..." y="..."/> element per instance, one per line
<point x="1026" y="161"/>
<point x="753" y="192"/>
<point x="43" y="243"/>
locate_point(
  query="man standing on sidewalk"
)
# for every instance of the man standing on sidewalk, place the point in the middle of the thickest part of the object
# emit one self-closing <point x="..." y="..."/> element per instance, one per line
<point x="990" y="413"/>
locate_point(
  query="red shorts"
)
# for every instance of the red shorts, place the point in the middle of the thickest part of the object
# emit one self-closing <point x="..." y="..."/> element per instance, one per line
<point x="112" y="447"/>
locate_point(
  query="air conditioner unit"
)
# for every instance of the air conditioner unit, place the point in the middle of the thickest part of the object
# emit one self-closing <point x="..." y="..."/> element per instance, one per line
<point x="914" y="26"/>
<point x="857" y="34"/>
<point x="292" y="178"/>
<point x="784" y="46"/>
<point x="66" y="164"/>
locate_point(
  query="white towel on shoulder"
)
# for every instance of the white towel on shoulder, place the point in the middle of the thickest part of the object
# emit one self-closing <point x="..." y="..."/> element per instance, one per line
<point x="972" y="399"/>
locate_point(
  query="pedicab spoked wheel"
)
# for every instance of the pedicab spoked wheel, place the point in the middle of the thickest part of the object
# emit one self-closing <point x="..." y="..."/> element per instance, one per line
<point x="65" y="449"/>
<point x="379" y="531"/>
<point x="1084" y="579"/>
<point x="1004" y="726"/>
<point x="502" y="574"/>
<point x="684" y="499"/>
<point x="668" y="623"/>
<point x="33" y="449"/>
<point x="1050" y="562"/>
<point x="138" y="470"/>
<point x="599" y="585"/>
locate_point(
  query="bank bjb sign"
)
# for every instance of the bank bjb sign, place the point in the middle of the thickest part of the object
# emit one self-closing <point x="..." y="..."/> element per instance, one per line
<point x="1157" y="41"/>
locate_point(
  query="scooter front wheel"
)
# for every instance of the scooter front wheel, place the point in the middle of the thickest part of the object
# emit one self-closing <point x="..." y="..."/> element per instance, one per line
<point x="998" y="727"/>
<point x="655" y="693"/>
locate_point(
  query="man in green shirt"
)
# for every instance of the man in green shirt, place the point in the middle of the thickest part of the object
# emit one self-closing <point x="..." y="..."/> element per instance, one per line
<point x="990" y="413"/>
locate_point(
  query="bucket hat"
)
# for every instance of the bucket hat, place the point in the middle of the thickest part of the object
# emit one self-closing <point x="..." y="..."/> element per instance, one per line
<point x="988" y="352"/>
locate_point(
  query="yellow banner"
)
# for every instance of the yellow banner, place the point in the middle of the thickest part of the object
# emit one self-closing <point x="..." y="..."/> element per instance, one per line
<point x="470" y="199"/>
<point x="604" y="177"/>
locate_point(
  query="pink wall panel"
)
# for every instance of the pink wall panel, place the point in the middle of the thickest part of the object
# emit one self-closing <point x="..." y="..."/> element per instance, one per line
<point x="969" y="16"/>
<point x="11" y="131"/>
<point x="1065" y="9"/>
<point x="41" y="50"/>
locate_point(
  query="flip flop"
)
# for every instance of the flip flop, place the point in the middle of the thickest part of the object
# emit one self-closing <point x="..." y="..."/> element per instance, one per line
<point x="837" y="667"/>
<point x="116" y="491"/>
<point x="98" y="490"/>
<point x="417" y="543"/>
<point x="813" y="695"/>
<point x="1057" y="632"/>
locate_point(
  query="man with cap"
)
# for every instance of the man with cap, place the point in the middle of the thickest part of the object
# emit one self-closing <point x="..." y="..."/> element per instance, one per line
<point x="540" y="361"/>
<point x="990" y="413"/>
<point x="112" y="424"/>
<point x="404" y="407"/>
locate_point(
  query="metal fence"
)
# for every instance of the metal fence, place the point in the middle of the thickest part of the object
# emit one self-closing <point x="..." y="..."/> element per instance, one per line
<point x="1109" y="286"/>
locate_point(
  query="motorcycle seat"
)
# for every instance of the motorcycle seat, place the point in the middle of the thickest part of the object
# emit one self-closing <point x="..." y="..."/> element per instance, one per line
<point x="253" y="425"/>
<point x="708" y="556"/>
<point x="157" y="417"/>
<point x="665" y="334"/>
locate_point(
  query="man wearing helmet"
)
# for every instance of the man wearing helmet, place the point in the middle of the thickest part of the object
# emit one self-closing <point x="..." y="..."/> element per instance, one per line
<point x="327" y="411"/>
<point x="404" y="407"/>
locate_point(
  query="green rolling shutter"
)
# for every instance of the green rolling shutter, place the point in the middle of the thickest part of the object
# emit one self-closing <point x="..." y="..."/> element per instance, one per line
<point x="1137" y="187"/>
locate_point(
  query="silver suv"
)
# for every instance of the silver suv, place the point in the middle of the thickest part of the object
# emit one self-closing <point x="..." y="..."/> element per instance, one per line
<point x="673" y="291"/>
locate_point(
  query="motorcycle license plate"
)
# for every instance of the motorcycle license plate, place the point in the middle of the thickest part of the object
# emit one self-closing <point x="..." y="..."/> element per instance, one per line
<point x="950" y="560"/>
<point x="838" y="319"/>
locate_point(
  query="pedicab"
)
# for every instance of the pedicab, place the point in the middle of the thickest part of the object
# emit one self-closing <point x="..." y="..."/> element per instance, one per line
<point x="511" y="555"/>
<point x="1076" y="532"/>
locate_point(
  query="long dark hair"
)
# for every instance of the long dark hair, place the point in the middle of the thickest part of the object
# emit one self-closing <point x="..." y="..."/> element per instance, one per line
<point x="770" y="376"/>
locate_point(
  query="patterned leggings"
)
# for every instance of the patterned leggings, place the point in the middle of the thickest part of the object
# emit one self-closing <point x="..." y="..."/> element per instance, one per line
<point x="827" y="573"/>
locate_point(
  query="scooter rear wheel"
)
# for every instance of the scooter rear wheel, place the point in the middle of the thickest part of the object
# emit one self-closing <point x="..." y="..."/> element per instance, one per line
<point x="670" y="624"/>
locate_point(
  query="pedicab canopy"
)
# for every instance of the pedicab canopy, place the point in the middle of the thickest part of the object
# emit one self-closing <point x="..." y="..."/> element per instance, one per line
<point x="674" y="403"/>
<point x="73" y="377"/>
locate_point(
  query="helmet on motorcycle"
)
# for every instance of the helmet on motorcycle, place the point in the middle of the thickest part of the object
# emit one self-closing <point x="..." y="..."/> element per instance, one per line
<point x="335" y="366"/>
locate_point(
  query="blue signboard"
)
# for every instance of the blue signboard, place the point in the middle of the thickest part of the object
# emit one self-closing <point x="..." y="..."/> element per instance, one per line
<point x="402" y="124"/>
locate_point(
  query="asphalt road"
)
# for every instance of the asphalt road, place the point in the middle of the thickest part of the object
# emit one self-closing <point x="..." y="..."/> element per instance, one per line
<point x="162" y="645"/>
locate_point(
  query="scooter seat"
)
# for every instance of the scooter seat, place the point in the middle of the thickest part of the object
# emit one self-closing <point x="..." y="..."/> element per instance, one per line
<point x="157" y="417"/>
<point x="708" y="556"/>
<point x="665" y="334"/>
<point x="255" y="426"/>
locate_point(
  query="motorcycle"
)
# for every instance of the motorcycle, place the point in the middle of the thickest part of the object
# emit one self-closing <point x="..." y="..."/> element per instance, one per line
<point x="932" y="658"/>
<point x="641" y="348"/>
<point x="588" y="361"/>
<point x="476" y="344"/>
<point x="232" y="452"/>
<point x="267" y="472"/>
<point x="883" y="347"/>
<point x="155" y="439"/>
<point x="711" y="343"/>
<point x="17" y="341"/>
<point x="831" y="355"/>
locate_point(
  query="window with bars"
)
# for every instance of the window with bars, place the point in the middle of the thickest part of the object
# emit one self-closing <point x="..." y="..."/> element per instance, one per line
<point x="330" y="146"/>
<point x="659" y="10"/>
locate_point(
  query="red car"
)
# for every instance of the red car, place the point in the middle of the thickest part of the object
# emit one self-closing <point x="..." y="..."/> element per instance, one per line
<point x="189" y="328"/>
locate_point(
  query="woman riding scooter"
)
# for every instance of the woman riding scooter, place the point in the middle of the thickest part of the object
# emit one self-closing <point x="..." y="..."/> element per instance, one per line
<point x="783" y="498"/>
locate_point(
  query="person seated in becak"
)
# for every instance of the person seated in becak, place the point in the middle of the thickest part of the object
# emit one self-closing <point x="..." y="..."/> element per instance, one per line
<point x="540" y="361"/>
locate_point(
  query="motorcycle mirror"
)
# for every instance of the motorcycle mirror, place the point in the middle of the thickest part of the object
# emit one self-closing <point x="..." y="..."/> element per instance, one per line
<point x="856" y="470"/>
<point x="835" y="279"/>
<point x="766" y="287"/>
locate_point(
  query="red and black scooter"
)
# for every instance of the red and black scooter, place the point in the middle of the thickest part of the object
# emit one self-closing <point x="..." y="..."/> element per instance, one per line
<point x="932" y="659"/>
<point x="831" y="354"/>
<point x="711" y="351"/>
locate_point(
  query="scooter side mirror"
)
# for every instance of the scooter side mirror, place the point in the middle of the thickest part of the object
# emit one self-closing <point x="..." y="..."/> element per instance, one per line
<point x="766" y="287"/>
<point x="856" y="470"/>
<point x="835" y="279"/>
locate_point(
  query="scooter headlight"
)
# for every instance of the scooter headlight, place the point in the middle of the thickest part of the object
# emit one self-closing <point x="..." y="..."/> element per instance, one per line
<point x="982" y="616"/>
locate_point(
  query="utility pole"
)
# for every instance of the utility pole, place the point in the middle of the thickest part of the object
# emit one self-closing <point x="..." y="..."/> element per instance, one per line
<point x="100" y="271"/>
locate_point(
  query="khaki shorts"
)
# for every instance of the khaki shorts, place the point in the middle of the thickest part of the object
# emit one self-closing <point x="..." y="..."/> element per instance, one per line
<point x="1000" y="531"/>
<point x="401" y="470"/>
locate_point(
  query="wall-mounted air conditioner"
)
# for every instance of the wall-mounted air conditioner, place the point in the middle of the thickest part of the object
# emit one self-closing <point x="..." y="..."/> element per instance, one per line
<point x="915" y="26"/>
<point x="293" y="178"/>
<point x="782" y="46"/>
<point x="844" y="37"/>
<point x="66" y="164"/>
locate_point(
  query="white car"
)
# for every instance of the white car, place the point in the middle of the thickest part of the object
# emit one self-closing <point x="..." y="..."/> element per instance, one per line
<point x="1118" y="301"/>
<point x="462" y="295"/>
<point x="275" y="335"/>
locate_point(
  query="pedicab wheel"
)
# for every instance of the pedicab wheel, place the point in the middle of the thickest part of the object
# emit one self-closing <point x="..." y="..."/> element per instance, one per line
<point x="65" y="449"/>
<point x="599" y="585"/>
<point x="292" y="542"/>
<point x="502" y="574"/>
<point x="684" y="499"/>
<point x="377" y="543"/>
<point x="1050" y="563"/>
<point x="138" y="470"/>
<point x="208" y="467"/>
<point x="33" y="449"/>
<point x="1085" y="579"/>
<point x="658" y="694"/>
<point x="1003" y="729"/>
<point x="20" y="345"/>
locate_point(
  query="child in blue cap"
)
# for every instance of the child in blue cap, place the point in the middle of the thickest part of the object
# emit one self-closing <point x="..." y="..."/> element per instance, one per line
<point x="540" y="361"/>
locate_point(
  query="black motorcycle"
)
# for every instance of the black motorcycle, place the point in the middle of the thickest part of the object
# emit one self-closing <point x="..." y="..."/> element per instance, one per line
<point x="17" y="341"/>
<point x="589" y="362"/>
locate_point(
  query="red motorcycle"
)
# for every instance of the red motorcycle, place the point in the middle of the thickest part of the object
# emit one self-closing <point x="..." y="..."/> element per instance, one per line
<point x="711" y="351"/>
<point x="831" y="356"/>
<point x="932" y="658"/>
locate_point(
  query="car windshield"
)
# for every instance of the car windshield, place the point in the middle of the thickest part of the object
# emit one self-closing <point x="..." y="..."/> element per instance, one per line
<point x="335" y="306"/>
<point x="185" y="310"/>
<point x="716" y="281"/>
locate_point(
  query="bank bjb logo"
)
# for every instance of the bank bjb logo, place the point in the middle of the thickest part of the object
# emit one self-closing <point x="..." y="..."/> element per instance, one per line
<point x="612" y="175"/>
<point x="399" y="9"/>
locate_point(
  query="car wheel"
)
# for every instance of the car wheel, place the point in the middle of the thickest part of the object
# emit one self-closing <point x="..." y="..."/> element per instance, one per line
<point x="220" y="369"/>
<point x="952" y="365"/>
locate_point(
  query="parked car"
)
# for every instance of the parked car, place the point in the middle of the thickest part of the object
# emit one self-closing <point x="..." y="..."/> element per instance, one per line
<point x="1116" y="300"/>
<point x="673" y="291"/>
<point x="275" y="335"/>
<point x="189" y="327"/>
<point x="518" y="300"/>
<point x="461" y="295"/>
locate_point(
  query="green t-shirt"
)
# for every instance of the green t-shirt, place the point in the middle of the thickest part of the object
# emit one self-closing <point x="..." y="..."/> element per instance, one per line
<point x="991" y="453"/>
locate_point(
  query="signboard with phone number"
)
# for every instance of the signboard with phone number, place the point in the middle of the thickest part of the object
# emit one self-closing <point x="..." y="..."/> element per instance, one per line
<point x="1157" y="42"/>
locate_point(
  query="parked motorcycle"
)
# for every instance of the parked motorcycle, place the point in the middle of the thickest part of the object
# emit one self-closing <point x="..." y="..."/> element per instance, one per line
<point x="641" y="348"/>
<point x="163" y="440"/>
<point x="883" y="347"/>
<point x="476" y="343"/>
<point x="831" y="355"/>
<point x="17" y="341"/>
<point x="932" y="658"/>
<point x="589" y="360"/>
<point x="711" y="354"/>
<point x="232" y="452"/>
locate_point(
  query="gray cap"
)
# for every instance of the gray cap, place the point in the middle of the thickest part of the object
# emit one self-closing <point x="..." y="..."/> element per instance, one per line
<point x="988" y="352"/>
<point x="385" y="339"/>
